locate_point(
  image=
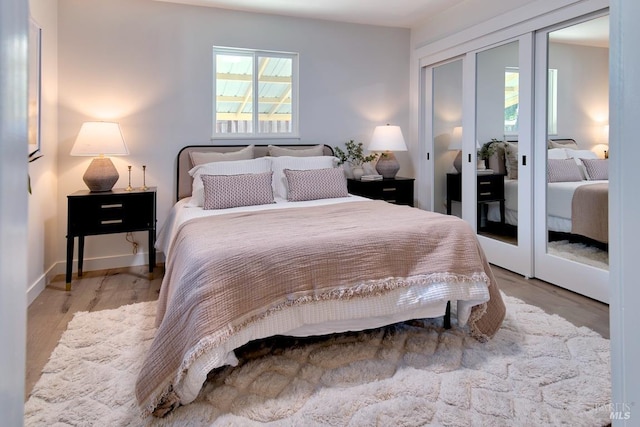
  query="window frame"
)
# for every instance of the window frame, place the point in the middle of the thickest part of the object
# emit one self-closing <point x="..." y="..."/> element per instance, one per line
<point x="256" y="54"/>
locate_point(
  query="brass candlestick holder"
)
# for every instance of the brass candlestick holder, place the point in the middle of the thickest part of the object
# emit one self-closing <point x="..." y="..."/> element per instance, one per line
<point x="144" y="178"/>
<point x="129" y="187"/>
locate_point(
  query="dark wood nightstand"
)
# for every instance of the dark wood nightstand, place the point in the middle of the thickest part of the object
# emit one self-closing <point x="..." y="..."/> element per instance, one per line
<point x="115" y="211"/>
<point x="393" y="190"/>
<point x="490" y="188"/>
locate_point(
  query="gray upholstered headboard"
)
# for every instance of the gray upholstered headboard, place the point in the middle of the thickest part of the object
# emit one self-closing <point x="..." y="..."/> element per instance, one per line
<point x="184" y="180"/>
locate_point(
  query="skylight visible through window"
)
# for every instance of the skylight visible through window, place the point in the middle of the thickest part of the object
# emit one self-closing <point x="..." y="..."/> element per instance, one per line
<point x="255" y="93"/>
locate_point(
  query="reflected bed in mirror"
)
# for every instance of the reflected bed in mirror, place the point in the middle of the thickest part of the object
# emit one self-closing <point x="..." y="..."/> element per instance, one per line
<point x="577" y="196"/>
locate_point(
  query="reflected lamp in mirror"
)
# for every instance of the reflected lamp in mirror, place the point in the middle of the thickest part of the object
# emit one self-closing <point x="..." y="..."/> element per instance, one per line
<point x="602" y="148"/>
<point x="455" y="143"/>
<point x="387" y="139"/>
<point x="100" y="139"/>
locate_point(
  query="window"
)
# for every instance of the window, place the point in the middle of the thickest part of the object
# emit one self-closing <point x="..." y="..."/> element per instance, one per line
<point x="511" y="101"/>
<point x="552" y="102"/>
<point x="255" y="93"/>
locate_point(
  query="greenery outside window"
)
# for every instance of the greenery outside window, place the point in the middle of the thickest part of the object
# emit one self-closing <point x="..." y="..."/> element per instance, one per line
<point x="255" y="93"/>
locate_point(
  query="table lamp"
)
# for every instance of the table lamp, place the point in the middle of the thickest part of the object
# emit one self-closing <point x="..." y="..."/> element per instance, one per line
<point x="98" y="139"/>
<point x="455" y="143"/>
<point x="387" y="139"/>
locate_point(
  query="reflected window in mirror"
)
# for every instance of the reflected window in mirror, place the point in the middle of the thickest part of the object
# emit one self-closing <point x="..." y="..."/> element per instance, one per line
<point x="511" y="101"/>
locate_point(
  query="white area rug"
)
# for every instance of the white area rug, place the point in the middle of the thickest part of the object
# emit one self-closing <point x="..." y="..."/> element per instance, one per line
<point x="538" y="370"/>
<point x="580" y="252"/>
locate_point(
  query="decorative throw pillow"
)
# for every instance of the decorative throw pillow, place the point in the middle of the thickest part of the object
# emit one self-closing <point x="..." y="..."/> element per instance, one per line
<point x="279" y="164"/>
<point x="275" y="151"/>
<point x="231" y="191"/>
<point x="239" y="167"/>
<point x="563" y="170"/>
<point x="563" y="143"/>
<point x="511" y="159"/>
<point x="202" y="157"/>
<point x="578" y="156"/>
<point x="315" y="184"/>
<point x="597" y="169"/>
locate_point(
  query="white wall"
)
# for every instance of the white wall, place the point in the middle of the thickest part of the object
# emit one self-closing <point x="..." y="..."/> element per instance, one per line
<point x="148" y="66"/>
<point x="490" y="90"/>
<point x="13" y="208"/>
<point x="43" y="201"/>
<point x="583" y="91"/>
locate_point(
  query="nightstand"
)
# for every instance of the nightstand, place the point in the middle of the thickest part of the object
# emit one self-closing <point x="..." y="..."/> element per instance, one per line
<point x="115" y="211"/>
<point x="393" y="190"/>
<point x="489" y="188"/>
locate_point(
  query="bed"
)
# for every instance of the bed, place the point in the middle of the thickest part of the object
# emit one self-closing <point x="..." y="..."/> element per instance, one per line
<point x="577" y="192"/>
<point x="311" y="260"/>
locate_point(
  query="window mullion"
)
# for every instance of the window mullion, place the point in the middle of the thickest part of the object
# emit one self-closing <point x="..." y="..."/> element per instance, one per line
<point x="254" y="100"/>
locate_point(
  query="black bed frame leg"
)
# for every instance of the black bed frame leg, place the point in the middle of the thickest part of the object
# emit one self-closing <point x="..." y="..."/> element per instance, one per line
<point x="447" y="316"/>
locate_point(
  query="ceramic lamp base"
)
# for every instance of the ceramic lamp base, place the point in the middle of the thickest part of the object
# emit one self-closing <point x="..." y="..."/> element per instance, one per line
<point x="101" y="175"/>
<point x="457" y="162"/>
<point x="387" y="165"/>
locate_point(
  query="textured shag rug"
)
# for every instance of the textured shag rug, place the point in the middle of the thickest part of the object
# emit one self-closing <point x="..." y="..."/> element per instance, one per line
<point x="580" y="252"/>
<point x="538" y="370"/>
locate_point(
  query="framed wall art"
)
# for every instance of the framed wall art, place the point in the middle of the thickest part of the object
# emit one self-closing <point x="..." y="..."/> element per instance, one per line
<point x="35" y="40"/>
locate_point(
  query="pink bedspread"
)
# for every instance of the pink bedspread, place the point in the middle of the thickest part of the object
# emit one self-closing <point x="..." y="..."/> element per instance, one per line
<point x="228" y="271"/>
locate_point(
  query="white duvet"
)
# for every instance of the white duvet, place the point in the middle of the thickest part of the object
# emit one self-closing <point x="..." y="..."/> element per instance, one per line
<point x="559" y="197"/>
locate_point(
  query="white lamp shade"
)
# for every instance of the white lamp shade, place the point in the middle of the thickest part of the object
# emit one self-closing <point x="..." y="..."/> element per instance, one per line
<point x="455" y="143"/>
<point x="387" y="138"/>
<point x="99" y="138"/>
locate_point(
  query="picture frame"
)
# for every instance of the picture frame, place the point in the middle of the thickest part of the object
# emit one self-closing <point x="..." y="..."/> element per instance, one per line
<point x="34" y="87"/>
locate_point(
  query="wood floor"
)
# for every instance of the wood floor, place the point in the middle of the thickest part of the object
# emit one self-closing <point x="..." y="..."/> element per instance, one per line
<point x="49" y="314"/>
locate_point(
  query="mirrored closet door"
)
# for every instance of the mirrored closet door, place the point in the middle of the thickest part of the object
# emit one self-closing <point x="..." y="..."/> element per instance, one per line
<point x="500" y="138"/>
<point x="571" y="139"/>
<point x="445" y="122"/>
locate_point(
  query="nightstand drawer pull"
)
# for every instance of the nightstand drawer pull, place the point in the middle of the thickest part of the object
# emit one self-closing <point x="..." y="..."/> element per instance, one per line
<point x="484" y="182"/>
<point x="111" y="221"/>
<point x="111" y="206"/>
<point x="486" y="194"/>
<point x="389" y="189"/>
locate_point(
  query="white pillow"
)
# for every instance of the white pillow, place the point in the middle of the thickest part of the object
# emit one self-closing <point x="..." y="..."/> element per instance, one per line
<point x="202" y="157"/>
<point x="279" y="164"/>
<point x="238" y="167"/>
<point x="557" y="153"/>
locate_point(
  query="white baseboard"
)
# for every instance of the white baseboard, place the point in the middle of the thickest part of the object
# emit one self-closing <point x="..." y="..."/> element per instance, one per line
<point x="90" y="264"/>
<point x="38" y="286"/>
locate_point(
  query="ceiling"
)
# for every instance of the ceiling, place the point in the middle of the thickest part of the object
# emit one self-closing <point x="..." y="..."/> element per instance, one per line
<point x="390" y="13"/>
<point x="397" y="13"/>
<point x="594" y="32"/>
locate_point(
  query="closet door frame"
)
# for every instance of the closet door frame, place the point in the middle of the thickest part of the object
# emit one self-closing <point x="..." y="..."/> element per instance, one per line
<point x="515" y="257"/>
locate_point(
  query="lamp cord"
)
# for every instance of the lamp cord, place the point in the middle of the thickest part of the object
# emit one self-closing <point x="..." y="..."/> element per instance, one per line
<point x="133" y="242"/>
